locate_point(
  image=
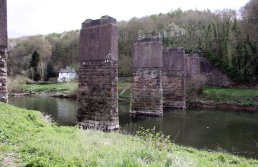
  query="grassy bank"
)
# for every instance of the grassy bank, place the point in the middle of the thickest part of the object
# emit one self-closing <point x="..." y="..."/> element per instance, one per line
<point x="248" y="97"/>
<point x="27" y="140"/>
<point x="61" y="88"/>
<point x="70" y="89"/>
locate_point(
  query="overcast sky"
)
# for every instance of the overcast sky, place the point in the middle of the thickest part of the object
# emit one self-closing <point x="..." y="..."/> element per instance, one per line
<point x="30" y="17"/>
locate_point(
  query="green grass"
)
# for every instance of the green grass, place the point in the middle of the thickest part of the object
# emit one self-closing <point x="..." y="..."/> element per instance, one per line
<point x="32" y="142"/>
<point x="248" y="97"/>
<point x="70" y="88"/>
<point x="126" y="86"/>
<point x="65" y="88"/>
<point x="231" y="92"/>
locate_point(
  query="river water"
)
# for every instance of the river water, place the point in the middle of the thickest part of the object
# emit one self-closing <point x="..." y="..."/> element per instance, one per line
<point x="225" y="131"/>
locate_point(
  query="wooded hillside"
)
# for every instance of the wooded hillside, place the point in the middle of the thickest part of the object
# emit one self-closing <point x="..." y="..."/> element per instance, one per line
<point x="228" y="39"/>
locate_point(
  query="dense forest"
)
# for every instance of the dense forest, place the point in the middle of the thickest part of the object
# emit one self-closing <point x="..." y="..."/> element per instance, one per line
<point x="228" y="38"/>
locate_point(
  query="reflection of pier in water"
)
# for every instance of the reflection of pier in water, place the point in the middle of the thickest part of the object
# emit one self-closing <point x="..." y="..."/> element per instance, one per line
<point x="67" y="111"/>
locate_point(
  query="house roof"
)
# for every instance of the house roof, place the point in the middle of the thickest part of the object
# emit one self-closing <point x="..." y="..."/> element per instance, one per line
<point x="67" y="70"/>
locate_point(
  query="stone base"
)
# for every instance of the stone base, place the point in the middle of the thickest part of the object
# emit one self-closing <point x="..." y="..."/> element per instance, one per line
<point x="147" y="92"/>
<point x="97" y="125"/>
<point x="3" y="78"/>
<point x="97" y="96"/>
<point x="174" y="90"/>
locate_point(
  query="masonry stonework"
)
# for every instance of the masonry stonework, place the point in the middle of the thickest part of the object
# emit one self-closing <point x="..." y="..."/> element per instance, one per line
<point x="196" y="66"/>
<point x="147" y="91"/>
<point x="215" y="77"/>
<point x="3" y="51"/>
<point x="98" y="76"/>
<point x="174" y="78"/>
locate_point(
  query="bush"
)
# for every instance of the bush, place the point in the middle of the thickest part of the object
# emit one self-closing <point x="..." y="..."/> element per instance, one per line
<point x="195" y="84"/>
<point x="17" y="84"/>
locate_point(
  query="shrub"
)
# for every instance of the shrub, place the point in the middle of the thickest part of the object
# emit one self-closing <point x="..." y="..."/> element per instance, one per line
<point x="17" y="84"/>
<point x="195" y="84"/>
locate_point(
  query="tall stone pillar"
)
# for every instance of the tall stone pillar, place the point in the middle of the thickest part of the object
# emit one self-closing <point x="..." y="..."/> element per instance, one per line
<point x="3" y="51"/>
<point x="174" y="78"/>
<point x="98" y="77"/>
<point x="147" y="92"/>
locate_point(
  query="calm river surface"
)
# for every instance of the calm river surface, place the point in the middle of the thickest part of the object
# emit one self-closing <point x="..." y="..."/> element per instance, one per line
<point x="234" y="132"/>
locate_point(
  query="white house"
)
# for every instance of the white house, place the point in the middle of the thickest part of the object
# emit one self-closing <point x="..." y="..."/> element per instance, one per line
<point x="67" y="75"/>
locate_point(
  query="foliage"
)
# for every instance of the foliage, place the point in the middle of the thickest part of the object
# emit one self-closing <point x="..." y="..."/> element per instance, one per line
<point x="231" y="91"/>
<point x="156" y="139"/>
<point x="195" y="85"/>
<point x="60" y="88"/>
<point x="50" y="72"/>
<point x="124" y="89"/>
<point x="52" y="88"/>
<point x="37" y="143"/>
<point x="239" y="96"/>
<point x="229" y="41"/>
<point x="35" y="57"/>
<point x="17" y="84"/>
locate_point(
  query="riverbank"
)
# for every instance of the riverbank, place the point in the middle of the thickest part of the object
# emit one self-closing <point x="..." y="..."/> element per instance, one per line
<point x="27" y="139"/>
<point x="241" y="99"/>
<point x="245" y="99"/>
<point x="63" y="90"/>
<point x="66" y="90"/>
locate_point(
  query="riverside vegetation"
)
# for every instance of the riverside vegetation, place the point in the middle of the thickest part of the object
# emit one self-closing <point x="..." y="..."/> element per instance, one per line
<point x="237" y="96"/>
<point x="227" y="38"/>
<point x="213" y="95"/>
<point x="26" y="139"/>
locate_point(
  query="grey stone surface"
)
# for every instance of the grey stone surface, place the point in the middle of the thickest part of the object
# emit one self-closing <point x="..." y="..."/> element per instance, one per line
<point x="3" y="51"/>
<point x="215" y="77"/>
<point x="3" y="25"/>
<point x="174" y="87"/>
<point x="148" y="53"/>
<point x="98" y="39"/>
<point x="147" y="91"/>
<point x="98" y="76"/>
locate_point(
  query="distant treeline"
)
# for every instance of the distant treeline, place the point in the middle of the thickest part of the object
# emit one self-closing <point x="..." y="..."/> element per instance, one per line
<point x="227" y="38"/>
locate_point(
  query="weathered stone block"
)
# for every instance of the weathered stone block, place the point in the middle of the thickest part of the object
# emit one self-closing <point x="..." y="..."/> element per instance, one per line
<point x="148" y="53"/>
<point x="200" y="66"/>
<point x="98" y="77"/>
<point x="215" y="77"/>
<point x="147" y="91"/>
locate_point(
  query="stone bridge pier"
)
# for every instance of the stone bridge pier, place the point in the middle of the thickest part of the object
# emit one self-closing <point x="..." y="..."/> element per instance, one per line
<point x="174" y="85"/>
<point x="3" y="51"/>
<point x="192" y="69"/>
<point x="98" y="76"/>
<point x="147" y="91"/>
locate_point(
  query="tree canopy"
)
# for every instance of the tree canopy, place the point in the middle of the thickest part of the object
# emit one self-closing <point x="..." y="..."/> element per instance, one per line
<point x="225" y="38"/>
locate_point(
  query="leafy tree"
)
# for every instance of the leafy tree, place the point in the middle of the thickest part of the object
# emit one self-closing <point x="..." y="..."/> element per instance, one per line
<point x="35" y="57"/>
<point x="230" y="42"/>
<point x="50" y="71"/>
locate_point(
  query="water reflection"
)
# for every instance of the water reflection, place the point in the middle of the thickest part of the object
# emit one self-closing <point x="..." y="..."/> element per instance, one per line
<point x="234" y="132"/>
<point x="62" y="111"/>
